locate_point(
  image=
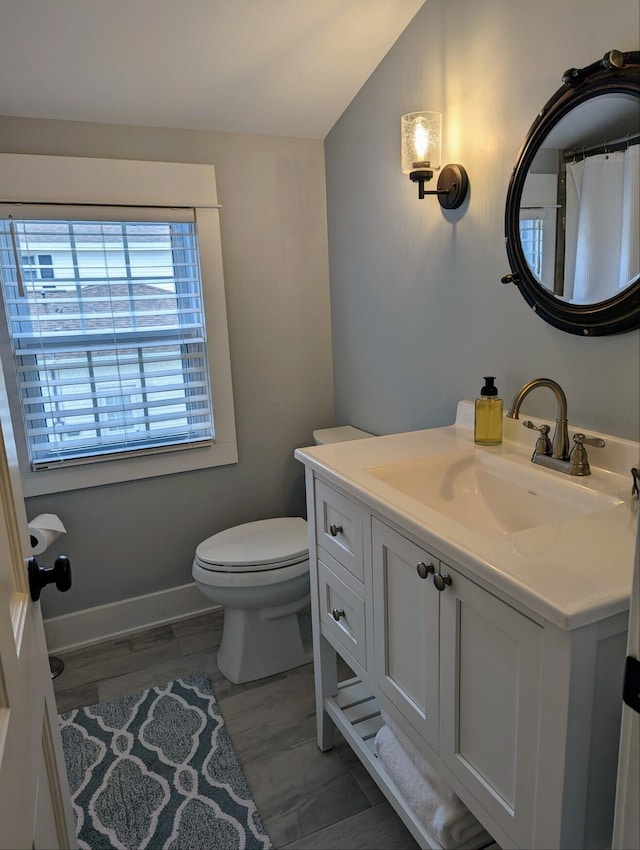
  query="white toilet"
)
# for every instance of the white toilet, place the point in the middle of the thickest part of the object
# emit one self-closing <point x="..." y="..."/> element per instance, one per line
<point x="259" y="573"/>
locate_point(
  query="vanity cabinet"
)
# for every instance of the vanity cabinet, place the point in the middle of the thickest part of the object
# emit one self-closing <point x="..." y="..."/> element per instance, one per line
<point x="520" y="717"/>
<point x="463" y="668"/>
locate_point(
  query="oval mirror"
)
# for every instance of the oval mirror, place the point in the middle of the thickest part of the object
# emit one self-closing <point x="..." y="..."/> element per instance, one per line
<point x="572" y="218"/>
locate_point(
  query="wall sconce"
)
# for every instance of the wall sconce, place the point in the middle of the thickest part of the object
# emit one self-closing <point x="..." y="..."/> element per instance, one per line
<point x="421" y="135"/>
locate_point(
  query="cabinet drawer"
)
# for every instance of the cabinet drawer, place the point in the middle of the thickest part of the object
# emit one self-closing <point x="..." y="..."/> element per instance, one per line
<point x="341" y="613"/>
<point x="339" y="528"/>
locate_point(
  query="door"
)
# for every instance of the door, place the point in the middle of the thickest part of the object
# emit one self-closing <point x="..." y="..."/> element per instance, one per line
<point x="626" y="824"/>
<point x="35" y="807"/>
<point x="406" y="629"/>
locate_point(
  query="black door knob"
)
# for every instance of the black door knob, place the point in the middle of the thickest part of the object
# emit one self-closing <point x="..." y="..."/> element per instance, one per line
<point x="39" y="577"/>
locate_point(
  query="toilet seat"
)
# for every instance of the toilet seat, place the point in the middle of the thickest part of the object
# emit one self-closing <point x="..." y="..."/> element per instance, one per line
<point x="207" y="575"/>
<point x="255" y="546"/>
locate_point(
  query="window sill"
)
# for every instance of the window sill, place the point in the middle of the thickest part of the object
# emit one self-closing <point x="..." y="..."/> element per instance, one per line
<point x="127" y="469"/>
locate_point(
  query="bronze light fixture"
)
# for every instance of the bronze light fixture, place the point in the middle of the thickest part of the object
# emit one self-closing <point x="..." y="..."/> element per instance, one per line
<point x="421" y="138"/>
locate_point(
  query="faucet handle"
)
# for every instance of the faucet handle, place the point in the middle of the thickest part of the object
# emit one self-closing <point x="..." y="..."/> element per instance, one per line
<point x="543" y="443"/>
<point x="544" y="429"/>
<point x="578" y="457"/>
<point x="581" y="440"/>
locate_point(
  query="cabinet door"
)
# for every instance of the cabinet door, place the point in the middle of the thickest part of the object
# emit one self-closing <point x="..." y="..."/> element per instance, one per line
<point x="490" y="683"/>
<point x="406" y="629"/>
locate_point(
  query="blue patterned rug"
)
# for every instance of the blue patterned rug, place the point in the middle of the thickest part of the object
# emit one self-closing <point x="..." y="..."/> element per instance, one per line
<point x="158" y="770"/>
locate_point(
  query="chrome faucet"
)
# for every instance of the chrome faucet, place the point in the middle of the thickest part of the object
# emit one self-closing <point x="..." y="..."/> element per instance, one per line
<point x="555" y="453"/>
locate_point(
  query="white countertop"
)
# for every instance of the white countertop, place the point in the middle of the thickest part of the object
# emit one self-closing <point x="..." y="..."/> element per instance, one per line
<point x="570" y="573"/>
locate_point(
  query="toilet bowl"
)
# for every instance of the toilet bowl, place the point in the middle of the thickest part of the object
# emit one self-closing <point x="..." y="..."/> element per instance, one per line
<point x="259" y="573"/>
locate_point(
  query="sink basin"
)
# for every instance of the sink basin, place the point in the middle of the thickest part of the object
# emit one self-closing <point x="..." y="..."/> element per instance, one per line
<point x="490" y="495"/>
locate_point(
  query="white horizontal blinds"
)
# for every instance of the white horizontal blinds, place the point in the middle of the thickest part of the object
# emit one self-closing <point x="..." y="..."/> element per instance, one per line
<point x="109" y="336"/>
<point x="531" y="236"/>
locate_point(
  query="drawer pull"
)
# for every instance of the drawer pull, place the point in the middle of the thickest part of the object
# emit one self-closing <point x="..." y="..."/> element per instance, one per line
<point x="335" y="530"/>
<point x="425" y="570"/>
<point x="337" y="613"/>
<point x="441" y="581"/>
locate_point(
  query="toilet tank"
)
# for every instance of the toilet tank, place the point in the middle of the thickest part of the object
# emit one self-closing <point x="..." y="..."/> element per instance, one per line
<point x="338" y="435"/>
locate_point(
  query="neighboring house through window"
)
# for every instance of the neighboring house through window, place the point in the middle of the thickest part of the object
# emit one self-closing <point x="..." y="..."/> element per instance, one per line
<point x="38" y="267"/>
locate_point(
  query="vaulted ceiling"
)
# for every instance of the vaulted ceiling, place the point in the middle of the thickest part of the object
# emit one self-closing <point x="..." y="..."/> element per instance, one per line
<point x="274" y="67"/>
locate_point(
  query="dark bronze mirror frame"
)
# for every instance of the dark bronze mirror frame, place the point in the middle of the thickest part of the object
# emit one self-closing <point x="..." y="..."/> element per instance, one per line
<point x="617" y="72"/>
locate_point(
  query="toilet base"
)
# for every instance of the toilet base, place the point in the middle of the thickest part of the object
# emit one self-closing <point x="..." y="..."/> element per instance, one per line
<point x="260" y="643"/>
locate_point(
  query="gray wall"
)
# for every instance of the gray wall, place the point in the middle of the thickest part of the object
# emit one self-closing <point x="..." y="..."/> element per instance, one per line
<point x="418" y="311"/>
<point x="129" y="539"/>
<point x="418" y="314"/>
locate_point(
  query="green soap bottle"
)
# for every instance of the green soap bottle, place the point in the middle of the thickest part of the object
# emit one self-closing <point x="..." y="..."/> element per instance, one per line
<point x="488" y="415"/>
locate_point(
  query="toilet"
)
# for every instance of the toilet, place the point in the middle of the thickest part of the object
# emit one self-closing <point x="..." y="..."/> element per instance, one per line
<point x="259" y="573"/>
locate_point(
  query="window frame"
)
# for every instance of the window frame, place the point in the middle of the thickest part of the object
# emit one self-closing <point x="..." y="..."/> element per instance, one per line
<point x="87" y="269"/>
<point x="546" y="237"/>
<point x="123" y="183"/>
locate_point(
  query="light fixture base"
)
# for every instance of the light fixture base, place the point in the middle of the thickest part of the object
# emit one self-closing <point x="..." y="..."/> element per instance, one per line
<point x="453" y="184"/>
<point x="421" y="176"/>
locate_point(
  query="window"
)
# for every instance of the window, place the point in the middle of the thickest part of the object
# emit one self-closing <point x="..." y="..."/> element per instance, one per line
<point x="106" y="319"/>
<point x="46" y="266"/>
<point x="28" y="262"/>
<point x="37" y="268"/>
<point x="538" y="217"/>
<point x="531" y="236"/>
<point x="114" y="358"/>
<point x="538" y="237"/>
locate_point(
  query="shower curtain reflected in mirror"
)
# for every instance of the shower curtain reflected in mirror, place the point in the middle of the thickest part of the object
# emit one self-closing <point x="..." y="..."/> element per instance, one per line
<point x="602" y="253"/>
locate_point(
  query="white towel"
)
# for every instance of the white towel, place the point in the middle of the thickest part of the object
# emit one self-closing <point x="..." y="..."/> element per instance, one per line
<point x="443" y="815"/>
<point x="441" y="788"/>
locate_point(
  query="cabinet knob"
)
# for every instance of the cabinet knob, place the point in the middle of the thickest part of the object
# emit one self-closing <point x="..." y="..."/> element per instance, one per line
<point x="337" y="613"/>
<point x="425" y="569"/>
<point x="441" y="581"/>
<point x="335" y="530"/>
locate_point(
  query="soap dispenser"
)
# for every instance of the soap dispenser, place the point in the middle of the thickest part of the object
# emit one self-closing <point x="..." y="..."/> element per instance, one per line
<point x="488" y="415"/>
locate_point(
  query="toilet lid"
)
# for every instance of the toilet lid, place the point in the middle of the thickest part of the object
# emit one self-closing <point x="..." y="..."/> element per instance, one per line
<point x="261" y="545"/>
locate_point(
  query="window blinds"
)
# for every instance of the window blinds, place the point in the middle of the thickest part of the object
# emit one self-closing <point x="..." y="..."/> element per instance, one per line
<point x="107" y="327"/>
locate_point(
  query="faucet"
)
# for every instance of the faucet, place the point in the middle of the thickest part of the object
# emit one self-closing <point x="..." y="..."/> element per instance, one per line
<point x="555" y="454"/>
<point x="560" y="447"/>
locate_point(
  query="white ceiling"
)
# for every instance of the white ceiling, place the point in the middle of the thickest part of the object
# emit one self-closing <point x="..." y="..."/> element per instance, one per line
<point x="274" y="67"/>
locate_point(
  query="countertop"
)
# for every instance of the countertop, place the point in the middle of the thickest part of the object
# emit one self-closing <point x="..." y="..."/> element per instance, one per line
<point x="570" y="573"/>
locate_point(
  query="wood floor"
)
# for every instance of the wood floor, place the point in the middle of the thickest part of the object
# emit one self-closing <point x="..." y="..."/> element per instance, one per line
<point x="307" y="799"/>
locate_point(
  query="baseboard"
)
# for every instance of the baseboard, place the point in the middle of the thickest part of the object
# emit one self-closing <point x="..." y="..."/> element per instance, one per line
<point x="92" y="625"/>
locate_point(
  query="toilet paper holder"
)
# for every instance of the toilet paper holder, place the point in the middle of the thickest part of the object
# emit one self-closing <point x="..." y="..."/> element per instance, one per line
<point x="44" y="530"/>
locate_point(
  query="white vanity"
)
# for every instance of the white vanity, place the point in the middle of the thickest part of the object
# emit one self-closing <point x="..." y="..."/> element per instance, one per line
<point x="482" y="603"/>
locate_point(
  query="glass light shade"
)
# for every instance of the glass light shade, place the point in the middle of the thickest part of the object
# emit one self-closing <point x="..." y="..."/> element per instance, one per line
<point x="421" y="135"/>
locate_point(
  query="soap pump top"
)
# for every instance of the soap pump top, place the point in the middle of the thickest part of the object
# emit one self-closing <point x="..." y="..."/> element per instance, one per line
<point x="489" y="388"/>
